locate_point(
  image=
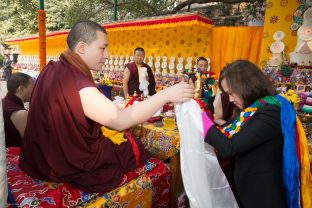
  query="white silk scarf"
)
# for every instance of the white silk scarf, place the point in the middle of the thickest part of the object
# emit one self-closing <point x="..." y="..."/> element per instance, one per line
<point x="204" y="181"/>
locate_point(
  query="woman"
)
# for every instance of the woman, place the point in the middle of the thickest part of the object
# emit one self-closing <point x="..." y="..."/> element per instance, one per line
<point x="256" y="138"/>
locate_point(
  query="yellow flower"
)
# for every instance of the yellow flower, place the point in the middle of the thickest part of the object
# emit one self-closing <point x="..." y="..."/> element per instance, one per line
<point x="292" y="97"/>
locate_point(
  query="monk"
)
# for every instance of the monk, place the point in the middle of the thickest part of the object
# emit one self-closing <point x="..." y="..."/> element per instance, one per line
<point x="63" y="141"/>
<point x="223" y="108"/>
<point x="202" y="65"/>
<point x="131" y="81"/>
<point x="19" y="86"/>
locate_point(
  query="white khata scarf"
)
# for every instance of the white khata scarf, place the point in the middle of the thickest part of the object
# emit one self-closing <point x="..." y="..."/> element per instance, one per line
<point x="204" y="181"/>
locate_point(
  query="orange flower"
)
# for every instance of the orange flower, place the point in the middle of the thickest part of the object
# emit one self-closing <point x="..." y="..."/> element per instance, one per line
<point x="42" y="38"/>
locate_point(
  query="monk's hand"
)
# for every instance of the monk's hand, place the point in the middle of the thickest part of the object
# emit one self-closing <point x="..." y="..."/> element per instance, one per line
<point x="180" y="92"/>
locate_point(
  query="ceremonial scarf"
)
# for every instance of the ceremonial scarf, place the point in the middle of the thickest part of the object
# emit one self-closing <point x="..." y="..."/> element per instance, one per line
<point x="296" y="167"/>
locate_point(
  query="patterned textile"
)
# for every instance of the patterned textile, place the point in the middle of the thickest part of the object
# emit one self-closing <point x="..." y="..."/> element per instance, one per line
<point x="237" y="124"/>
<point x="161" y="143"/>
<point x="159" y="181"/>
<point x="136" y="193"/>
<point x="150" y="189"/>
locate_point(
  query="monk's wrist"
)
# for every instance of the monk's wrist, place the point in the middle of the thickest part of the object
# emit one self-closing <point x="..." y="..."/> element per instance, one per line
<point x="164" y="96"/>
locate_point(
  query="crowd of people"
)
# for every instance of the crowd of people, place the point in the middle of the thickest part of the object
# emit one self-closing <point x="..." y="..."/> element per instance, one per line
<point x="67" y="110"/>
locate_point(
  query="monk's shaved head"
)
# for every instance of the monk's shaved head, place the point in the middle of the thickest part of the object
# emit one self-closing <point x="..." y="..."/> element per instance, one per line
<point x="84" y="31"/>
<point x="16" y="80"/>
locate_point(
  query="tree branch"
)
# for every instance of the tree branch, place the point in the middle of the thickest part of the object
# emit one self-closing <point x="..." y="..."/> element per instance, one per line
<point x="99" y="9"/>
<point x="118" y="4"/>
<point x="66" y="2"/>
<point x="189" y="2"/>
<point x="153" y="9"/>
<point x="108" y="2"/>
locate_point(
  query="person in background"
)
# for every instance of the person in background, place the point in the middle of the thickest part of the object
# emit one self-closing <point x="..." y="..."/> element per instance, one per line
<point x="255" y="138"/>
<point x="223" y="113"/>
<point x="7" y="68"/>
<point x="202" y="65"/>
<point x="131" y="82"/>
<point x="63" y="141"/>
<point x="223" y="108"/>
<point x="15" y="115"/>
<point x="206" y="91"/>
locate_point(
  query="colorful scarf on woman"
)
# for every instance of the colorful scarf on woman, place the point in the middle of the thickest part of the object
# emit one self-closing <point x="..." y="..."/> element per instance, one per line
<point x="296" y="166"/>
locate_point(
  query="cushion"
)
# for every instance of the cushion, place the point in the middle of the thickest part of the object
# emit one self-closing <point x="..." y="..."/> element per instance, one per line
<point x="146" y="186"/>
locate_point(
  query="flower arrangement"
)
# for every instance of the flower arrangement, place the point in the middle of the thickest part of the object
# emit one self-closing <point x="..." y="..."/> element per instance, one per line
<point x="298" y="15"/>
<point x="292" y="97"/>
<point x="292" y="74"/>
<point x="255" y="11"/>
<point x="107" y="82"/>
<point x="286" y="71"/>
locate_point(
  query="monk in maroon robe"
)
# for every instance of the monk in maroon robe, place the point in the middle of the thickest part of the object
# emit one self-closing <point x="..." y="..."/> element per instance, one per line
<point x="63" y="141"/>
<point x="131" y="81"/>
<point x="19" y="86"/>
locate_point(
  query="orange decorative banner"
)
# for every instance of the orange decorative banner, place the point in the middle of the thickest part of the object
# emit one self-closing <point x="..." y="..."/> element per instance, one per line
<point x="42" y="38"/>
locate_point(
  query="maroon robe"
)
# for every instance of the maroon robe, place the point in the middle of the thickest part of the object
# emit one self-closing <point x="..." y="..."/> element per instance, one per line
<point x="227" y="165"/>
<point x="11" y="104"/>
<point x="62" y="145"/>
<point x="227" y="107"/>
<point x="133" y="84"/>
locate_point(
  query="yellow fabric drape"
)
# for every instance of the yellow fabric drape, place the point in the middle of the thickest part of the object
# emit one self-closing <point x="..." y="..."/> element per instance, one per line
<point x="115" y="136"/>
<point x="232" y="43"/>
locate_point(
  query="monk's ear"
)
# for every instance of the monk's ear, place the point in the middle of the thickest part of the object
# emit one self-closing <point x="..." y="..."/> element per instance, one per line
<point x="81" y="47"/>
<point x="20" y="89"/>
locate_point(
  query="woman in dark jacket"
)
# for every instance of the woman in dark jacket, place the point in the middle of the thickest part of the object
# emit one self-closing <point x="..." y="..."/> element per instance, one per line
<point x="255" y="138"/>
